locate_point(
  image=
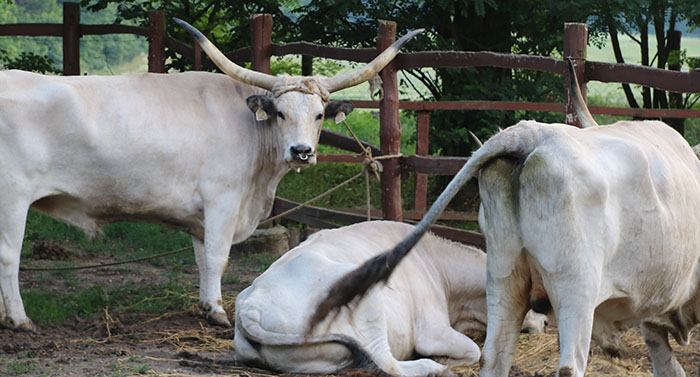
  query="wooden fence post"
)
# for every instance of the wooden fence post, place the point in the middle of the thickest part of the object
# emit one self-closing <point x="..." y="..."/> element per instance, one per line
<point x="422" y="133"/>
<point x="575" y="41"/>
<point x="197" y="55"/>
<point x="156" y="41"/>
<point x="260" y="41"/>
<point x="389" y="128"/>
<point x="71" y="39"/>
<point x="675" y="100"/>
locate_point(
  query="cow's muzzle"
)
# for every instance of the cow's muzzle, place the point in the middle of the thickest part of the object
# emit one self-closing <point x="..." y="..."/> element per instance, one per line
<point x="302" y="153"/>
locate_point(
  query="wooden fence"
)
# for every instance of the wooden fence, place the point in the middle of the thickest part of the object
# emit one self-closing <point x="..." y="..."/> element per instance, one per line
<point x="262" y="49"/>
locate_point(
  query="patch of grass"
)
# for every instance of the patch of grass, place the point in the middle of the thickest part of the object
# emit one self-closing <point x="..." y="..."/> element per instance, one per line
<point x="122" y="240"/>
<point x="231" y="279"/>
<point x="46" y="307"/>
<point x="261" y="262"/>
<point x="18" y="368"/>
<point x="129" y="367"/>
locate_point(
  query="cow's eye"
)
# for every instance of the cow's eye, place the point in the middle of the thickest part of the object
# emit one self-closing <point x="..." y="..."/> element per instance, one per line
<point x="319" y="116"/>
<point x="280" y="115"/>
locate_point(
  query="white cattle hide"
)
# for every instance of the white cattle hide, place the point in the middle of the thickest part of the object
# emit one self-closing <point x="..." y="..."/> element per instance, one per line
<point x="434" y="297"/>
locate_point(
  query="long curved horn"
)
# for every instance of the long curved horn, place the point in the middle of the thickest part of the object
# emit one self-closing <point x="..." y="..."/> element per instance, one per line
<point x="584" y="116"/>
<point x="336" y="83"/>
<point x="230" y="68"/>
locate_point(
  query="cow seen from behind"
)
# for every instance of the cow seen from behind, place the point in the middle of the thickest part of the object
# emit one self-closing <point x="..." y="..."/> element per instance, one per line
<point x="607" y="216"/>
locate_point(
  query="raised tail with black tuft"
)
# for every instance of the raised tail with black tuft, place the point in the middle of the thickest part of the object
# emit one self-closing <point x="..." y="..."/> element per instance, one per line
<point x="517" y="141"/>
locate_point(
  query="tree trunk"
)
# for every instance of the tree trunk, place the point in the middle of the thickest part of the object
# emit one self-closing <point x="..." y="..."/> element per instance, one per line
<point x="612" y="31"/>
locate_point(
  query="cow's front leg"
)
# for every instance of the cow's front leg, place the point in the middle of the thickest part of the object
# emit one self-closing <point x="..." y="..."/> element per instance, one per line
<point x="12" y="226"/>
<point x="662" y="359"/>
<point x="212" y="258"/>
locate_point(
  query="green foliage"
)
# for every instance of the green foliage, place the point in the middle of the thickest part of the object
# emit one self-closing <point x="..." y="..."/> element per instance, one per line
<point x="225" y="23"/>
<point x="98" y="53"/>
<point x="28" y="61"/>
<point x="292" y="66"/>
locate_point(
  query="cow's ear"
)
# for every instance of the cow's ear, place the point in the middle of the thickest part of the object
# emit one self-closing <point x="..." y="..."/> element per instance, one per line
<point x="338" y="110"/>
<point x="262" y="106"/>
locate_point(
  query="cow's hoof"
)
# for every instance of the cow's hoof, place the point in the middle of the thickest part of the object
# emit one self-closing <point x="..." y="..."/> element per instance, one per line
<point x="26" y="326"/>
<point x="565" y="372"/>
<point x="218" y="319"/>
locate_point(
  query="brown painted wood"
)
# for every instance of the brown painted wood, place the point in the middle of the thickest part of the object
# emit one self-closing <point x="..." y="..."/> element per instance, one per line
<point x="32" y="30"/>
<point x="422" y="139"/>
<point x="197" y="52"/>
<point x="71" y="39"/>
<point x="532" y="106"/>
<point x="344" y="158"/>
<point x="468" y="105"/>
<point x="328" y="218"/>
<point x="361" y="55"/>
<point x="338" y="140"/>
<point x="433" y="164"/>
<point x="674" y="81"/>
<point x="113" y="29"/>
<point x="156" y="41"/>
<point x="389" y="127"/>
<point x="465" y="59"/>
<point x="261" y="39"/>
<point x="575" y="42"/>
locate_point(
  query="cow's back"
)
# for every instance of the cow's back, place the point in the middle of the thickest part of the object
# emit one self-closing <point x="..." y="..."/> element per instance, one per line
<point x="95" y="149"/>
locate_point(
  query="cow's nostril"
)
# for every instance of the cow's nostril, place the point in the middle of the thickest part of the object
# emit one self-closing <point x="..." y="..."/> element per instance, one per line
<point x="302" y="151"/>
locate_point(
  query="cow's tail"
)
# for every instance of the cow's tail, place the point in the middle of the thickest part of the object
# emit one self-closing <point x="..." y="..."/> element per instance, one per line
<point x="517" y="141"/>
<point x="249" y="325"/>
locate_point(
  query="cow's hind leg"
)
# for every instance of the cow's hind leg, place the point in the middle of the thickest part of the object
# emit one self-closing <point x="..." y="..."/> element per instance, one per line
<point x="508" y="274"/>
<point x="662" y="359"/>
<point x="507" y="302"/>
<point x="574" y="308"/>
<point x="12" y="223"/>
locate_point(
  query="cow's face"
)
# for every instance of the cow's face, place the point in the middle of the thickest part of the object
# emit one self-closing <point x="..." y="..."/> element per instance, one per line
<point x="298" y="117"/>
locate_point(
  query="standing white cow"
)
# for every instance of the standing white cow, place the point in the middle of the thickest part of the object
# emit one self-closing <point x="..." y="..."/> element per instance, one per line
<point x="435" y="296"/>
<point x="607" y="215"/>
<point x="201" y="152"/>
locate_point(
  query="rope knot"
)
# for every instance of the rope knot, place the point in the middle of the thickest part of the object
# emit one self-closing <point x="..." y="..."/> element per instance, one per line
<point x="305" y="84"/>
<point x="372" y="166"/>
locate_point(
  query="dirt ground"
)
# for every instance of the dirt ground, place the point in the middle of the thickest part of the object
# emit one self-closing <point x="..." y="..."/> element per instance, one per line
<point x="182" y="344"/>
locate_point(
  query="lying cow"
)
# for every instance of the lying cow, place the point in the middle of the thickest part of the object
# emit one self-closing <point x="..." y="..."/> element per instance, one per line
<point x="436" y="295"/>
<point x="198" y="151"/>
<point x="607" y="215"/>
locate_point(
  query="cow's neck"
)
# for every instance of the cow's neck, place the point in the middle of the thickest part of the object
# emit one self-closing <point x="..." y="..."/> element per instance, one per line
<point x="268" y="170"/>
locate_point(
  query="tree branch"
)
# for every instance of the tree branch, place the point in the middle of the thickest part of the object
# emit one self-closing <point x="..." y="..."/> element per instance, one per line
<point x="612" y="30"/>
